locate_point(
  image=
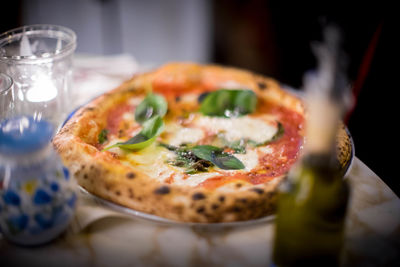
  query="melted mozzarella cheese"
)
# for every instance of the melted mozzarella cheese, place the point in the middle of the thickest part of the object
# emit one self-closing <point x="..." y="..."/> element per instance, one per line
<point x="152" y="161"/>
<point x="135" y="101"/>
<point x="265" y="149"/>
<point x="128" y="116"/>
<point x="232" y="85"/>
<point x="189" y="98"/>
<point x="256" y="129"/>
<point x="186" y="135"/>
<point x="249" y="160"/>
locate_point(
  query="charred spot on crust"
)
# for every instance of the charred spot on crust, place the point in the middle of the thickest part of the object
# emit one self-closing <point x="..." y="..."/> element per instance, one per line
<point x="200" y="210"/>
<point x="262" y="85"/>
<point x="162" y="190"/>
<point x="85" y="176"/>
<point x="130" y="175"/>
<point x="130" y="193"/>
<point x="107" y="186"/>
<point x="177" y="98"/>
<point x="257" y="190"/>
<point x="236" y="209"/>
<point x="178" y="209"/>
<point x="243" y="200"/>
<point x="90" y="109"/>
<point x="221" y="198"/>
<point x="238" y="185"/>
<point x="198" y="196"/>
<point x="214" y="206"/>
<point x="118" y="193"/>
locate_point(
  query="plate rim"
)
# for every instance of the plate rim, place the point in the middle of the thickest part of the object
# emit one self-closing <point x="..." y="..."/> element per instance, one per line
<point x="168" y="222"/>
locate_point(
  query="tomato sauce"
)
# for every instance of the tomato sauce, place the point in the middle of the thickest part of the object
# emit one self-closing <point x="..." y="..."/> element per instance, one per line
<point x="115" y="118"/>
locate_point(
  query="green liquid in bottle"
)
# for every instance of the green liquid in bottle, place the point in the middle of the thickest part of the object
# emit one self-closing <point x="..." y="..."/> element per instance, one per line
<point x="311" y="214"/>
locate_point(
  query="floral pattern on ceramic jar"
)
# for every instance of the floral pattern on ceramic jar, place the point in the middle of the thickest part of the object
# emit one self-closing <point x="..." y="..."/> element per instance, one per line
<point x="37" y="196"/>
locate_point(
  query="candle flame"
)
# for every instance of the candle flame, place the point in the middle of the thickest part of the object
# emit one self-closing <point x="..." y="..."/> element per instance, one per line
<point x="43" y="90"/>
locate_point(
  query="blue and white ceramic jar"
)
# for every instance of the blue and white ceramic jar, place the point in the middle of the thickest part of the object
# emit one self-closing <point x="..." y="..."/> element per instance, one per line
<point x="37" y="198"/>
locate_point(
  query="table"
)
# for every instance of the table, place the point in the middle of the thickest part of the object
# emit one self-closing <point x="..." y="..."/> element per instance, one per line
<point x="99" y="236"/>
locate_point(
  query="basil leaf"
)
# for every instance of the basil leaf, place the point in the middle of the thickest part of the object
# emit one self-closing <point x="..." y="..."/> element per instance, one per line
<point x="201" y="157"/>
<point x="229" y="103"/>
<point x="200" y="165"/>
<point x="205" y="151"/>
<point x="218" y="157"/>
<point x="151" y="129"/>
<point x="245" y="102"/>
<point x="226" y="161"/>
<point x="185" y="158"/>
<point x="151" y="106"/>
<point x="102" y="137"/>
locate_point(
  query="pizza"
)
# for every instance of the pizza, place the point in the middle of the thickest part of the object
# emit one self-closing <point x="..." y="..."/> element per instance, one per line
<point x="189" y="142"/>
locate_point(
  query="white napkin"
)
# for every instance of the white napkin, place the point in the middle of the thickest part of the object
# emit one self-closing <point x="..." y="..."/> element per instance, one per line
<point x="89" y="210"/>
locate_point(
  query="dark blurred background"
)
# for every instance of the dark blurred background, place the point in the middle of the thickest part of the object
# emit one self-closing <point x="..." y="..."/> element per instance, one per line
<point x="268" y="37"/>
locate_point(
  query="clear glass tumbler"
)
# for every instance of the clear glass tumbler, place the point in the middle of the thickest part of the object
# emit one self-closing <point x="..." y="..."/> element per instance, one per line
<point x="39" y="60"/>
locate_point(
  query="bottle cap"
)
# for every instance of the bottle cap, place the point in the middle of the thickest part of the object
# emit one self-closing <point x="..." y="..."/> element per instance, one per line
<point x="24" y="134"/>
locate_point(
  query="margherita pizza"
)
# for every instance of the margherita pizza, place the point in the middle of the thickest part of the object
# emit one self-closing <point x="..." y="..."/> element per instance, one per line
<point x="188" y="142"/>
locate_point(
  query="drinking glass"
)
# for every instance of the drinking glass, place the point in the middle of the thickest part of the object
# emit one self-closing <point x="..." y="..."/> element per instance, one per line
<point x="39" y="60"/>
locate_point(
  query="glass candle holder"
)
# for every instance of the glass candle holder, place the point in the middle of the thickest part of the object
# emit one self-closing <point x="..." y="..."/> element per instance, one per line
<point x="39" y="60"/>
<point x="6" y="97"/>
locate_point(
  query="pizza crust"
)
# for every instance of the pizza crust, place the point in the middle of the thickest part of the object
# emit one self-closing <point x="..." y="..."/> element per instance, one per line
<point x="101" y="174"/>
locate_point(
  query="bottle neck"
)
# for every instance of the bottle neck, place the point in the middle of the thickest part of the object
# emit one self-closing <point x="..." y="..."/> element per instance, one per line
<point x="324" y="165"/>
<point x="322" y="125"/>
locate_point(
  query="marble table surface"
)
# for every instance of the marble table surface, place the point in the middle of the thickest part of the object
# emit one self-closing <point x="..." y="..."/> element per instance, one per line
<point x="100" y="236"/>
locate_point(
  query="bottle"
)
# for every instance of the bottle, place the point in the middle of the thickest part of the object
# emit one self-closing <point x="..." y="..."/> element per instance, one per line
<point x="37" y="198"/>
<point x="311" y="212"/>
<point x="312" y="202"/>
